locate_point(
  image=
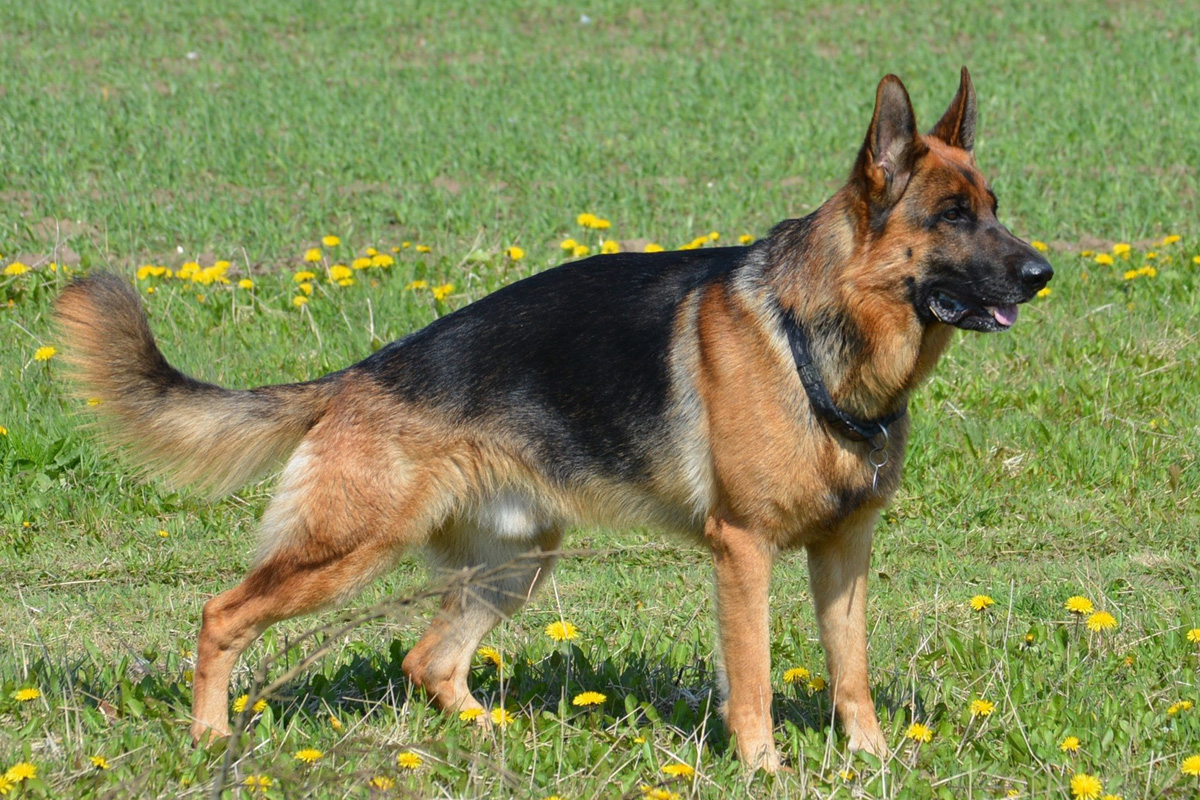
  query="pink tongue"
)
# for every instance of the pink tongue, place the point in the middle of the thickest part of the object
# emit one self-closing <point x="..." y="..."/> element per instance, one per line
<point x="1005" y="315"/>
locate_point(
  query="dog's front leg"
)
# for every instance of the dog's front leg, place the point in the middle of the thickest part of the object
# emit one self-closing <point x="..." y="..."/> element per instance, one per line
<point x="837" y="569"/>
<point x="743" y="567"/>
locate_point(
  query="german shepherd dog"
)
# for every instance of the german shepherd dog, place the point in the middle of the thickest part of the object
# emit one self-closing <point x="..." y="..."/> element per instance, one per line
<point x="752" y="397"/>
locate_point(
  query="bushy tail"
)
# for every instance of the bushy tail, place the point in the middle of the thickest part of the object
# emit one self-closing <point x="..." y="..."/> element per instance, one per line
<point x="194" y="433"/>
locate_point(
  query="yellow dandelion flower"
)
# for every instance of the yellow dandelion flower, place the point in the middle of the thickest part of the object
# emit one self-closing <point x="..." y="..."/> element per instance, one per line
<point x="589" y="699"/>
<point x="245" y="283"/>
<point x="1069" y="744"/>
<point x="382" y="260"/>
<point x="1078" y="604"/>
<point x="307" y="288"/>
<point x="44" y="353"/>
<point x="745" y="238"/>
<point x="259" y="783"/>
<point x="21" y="771"/>
<point x="6" y="785"/>
<point x="339" y="272"/>
<point x="502" y="717"/>
<point x="335" y="723"/>
<point x="1086" y="787"/>
<point x="982" y="708"/>
<point x="405" y="245"/>
<point x="361" y="263"/>
<point x="568" y="244"/>
<point x="1045" y="292"/>
<point x="679" y="770"/>
<point x="658" y="793"/>
<point x="1101" y="621"/>
<point x="312" y="255"/>
<point x="1172" y="239"/>
<point x="239" y="705"/>
<point x="26" y="695"/>
<point x="609" y="246"/>
<point x="304" y="276"/>
<point x="371" y="251"/>
<point x="817" y="684"/>
<point x="652" y="248"/>
<point x="16" y="268"/>
<point x="346" y="282"/>
<point x="381" y="783"/>
<point x="601" y="224"/>
<point x="3" y="431"/>
<point x="1112" y="797"/>
<point x="1151" y="255"/>
<point x="299" y="300"/>
<point x="586" y="220"/>
<point x="562" y="631"/>
<point x="469" y="714"/>
<point x="164" y="535"/>
<point x="847" y="774"/>
<point x="1041" y="247"/>
<point x="424" y="248"/>
<point x="514" y="253"/>
<point x="796" y="675"/>
<point x="443" y="291"/>
<point x="490" y="654"/>
<point x="1175" y="708"/>
<point x="330" y="241"/>
<point x="981" y="602"/>
<point x="1196" y="259"/>
<point x="919" y="733"/>
<point x="1086" y="253"/>
<point x="415" y="285"/>
<point x="713" y="236"/>
<point x="99" y="762"/>
<point x="1104" y="258"/>
<point x="409" y="760"/>
<point x="1121" y="249"/>
<point x="309" y="755"/>
<point x="259" y="707"/>
<point x="580" y="250"/>
<point x="1191" y="766"/>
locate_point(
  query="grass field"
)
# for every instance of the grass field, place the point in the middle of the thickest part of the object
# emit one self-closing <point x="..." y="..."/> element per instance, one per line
<point x="1058" y="460"/>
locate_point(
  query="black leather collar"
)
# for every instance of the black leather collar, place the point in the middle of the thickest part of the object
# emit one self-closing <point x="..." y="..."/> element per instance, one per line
<point x="859" y="430"/>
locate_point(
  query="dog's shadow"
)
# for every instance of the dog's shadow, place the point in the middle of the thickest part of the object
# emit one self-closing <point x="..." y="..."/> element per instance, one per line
<point x="641" y="691"/>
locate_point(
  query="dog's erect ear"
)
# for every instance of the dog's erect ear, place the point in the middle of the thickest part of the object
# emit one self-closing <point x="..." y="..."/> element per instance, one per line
<point x="957" y="126"/>
<point x="892" y="147"/>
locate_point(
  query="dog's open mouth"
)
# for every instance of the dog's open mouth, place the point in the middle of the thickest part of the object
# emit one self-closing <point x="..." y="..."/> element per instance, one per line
<point x="961" y="314"/>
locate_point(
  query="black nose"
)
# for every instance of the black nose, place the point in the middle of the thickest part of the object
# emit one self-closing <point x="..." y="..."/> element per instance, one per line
<point x="1036" y="272"/>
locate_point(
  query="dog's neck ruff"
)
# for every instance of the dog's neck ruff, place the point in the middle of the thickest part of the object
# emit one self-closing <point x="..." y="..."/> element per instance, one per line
<point x="859" y="430"/>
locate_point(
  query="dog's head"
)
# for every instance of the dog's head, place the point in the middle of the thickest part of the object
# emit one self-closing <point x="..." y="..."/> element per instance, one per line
<point x="922" y="199"/>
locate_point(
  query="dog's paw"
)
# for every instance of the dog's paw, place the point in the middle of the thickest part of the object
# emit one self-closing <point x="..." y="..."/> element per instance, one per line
<point x="869" y="741"/>
<point x="204" y="734"/>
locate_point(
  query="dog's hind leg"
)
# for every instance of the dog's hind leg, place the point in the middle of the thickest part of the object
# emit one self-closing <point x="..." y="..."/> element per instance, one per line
<point x="512" y="570"/>
<point x="342" y="514"/>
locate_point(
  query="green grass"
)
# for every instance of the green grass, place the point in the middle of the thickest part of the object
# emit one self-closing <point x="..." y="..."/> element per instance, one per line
<point x="1059" y="459"/>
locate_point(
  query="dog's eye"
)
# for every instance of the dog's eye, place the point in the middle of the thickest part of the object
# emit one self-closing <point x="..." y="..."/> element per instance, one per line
<point x="952" y="215"/>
